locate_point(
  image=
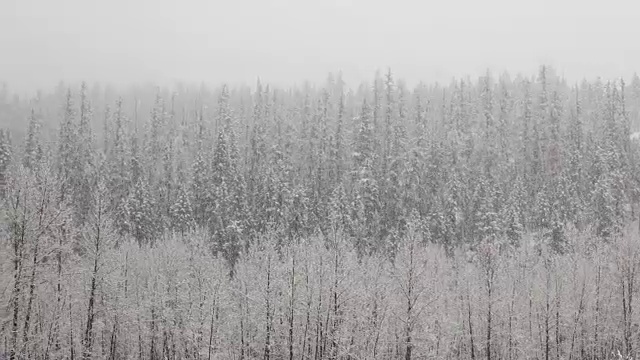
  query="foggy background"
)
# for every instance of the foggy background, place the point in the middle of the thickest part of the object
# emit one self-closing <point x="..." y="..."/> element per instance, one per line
<point x="288" y="41"/>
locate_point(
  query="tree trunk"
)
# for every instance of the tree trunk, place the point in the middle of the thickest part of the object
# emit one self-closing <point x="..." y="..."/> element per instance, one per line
<point x="213" y="307"/>
<point x="291" y="306"/>
<point x="32" y="287"/>
<point x="72" y="350"/>
<point x="596" y="345"/>
<point x="511" y="305"/>
<point x="577" y="319"/>
<point x="490" y="286"/>
<point x="18" y="244"/>
<point x="546" y="320"/>
<point x="473" y="352"/>
<point x="267" y="341"/>
<point x="409" y="320"/>
<point x="88" y="334"/>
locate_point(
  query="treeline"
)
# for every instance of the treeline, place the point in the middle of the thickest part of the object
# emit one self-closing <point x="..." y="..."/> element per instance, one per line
<point x="488" y="159"/>
<point x="100" y="186"/>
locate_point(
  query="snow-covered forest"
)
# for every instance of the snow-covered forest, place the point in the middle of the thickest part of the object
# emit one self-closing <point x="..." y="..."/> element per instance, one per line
<point x="490" y="218"/>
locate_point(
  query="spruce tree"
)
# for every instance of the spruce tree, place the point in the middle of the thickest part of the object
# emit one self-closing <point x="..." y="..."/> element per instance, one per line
<point x="142" y="224"/>
<point x="227" y="223"/>
<point x="367" y="196"/>
<point x="5" y="160"/>
<point x="84" y="166"/>
<point x="32" y="142"/>
<point x="181" y="212"/>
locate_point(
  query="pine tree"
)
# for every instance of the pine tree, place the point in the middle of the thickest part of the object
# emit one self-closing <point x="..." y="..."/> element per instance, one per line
<point x="85" y="159"/>
<point x="257" y="159"/>
<point x="157" y="141"/>
<point x="367" y="198"/>
<point x="376" y="115"/>
<point x="142" y="224"/>
<point x="106" y="130"/>
<point x="119" y="179"/>
<point x="395" y="209"/>
<point x="554" y="154"/>
<point x="136" y="160"/>
<point x="228" y="191"/>
<point x="419" y="116"/>
<point x="32" y="142"/>
<point x="181" y="212"/>
<point x="390" y="123"/>
<point x="5" y="160"/>
<point x="526" y="147"/>
<point x="338" y="148"/>
<point x="512" y="213"/>
<point x="608" y="193"/>
<point x="322" y="180"/>
<point x="167" y="184"/>
<point x="487" y="221"/>
<point x="488" y="125"/>
<point x="505" y="127"/>
<point x="541" y="127"/>
<point x="575" y="176"/>
<point x="200" y="188"/>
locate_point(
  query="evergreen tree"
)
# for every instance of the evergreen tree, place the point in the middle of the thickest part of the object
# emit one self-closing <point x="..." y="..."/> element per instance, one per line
<point x="32" y="151"/>
<point x="489" y="152"/>
<point x="67" y="150"/>
<point x="575" y="168"/>
<point x="367" y="198"/>
<point x="84" y="166"/>
<point x="142" y="224"/>
<point x="157" y="143"/>
<point x="338" y="147"/>
<point x="119" y="179"/>
<point x="257" y="159"/>
<point x="487" y="213"/>
<point x="181" y="212"/>
<point x="227" y="223"/>
<point x="390" y="114"/>
<point x="200" y="188"/>
<point x="511" y="213"/>
<point x="5" y="160"/>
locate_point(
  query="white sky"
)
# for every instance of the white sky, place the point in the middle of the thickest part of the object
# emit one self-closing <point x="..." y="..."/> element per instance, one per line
<point x="286" y="41"/>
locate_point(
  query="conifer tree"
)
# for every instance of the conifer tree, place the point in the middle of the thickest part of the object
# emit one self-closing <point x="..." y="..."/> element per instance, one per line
<point x="142" y="224"/>
<point x="389" y="124"/>
<point x="489" y="152"/>
<point x="84" y="166"/>
<point x="181" y="212"/>
<point x="367" y="198"/>
<point x="228" y="191"/>
<point x="575" y="159"/>
<point x="200" y="187"/>
<point x="487" y="221"/>
<point x="338" y="147"/>
<point x="119" y="178"/>
<point x="6" y="155"/>
<point x="32" y="142"/>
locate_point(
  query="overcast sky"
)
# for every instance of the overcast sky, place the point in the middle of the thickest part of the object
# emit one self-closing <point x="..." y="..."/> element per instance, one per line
<point x="286" y="41"/>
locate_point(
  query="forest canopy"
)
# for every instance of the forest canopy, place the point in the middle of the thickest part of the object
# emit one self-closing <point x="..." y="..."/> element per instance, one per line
<point x="193" y="222"/>
<point x="491" y="158"/>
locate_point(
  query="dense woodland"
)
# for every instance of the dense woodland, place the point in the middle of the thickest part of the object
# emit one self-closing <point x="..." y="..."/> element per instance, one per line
<point x="494" y="218"/>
